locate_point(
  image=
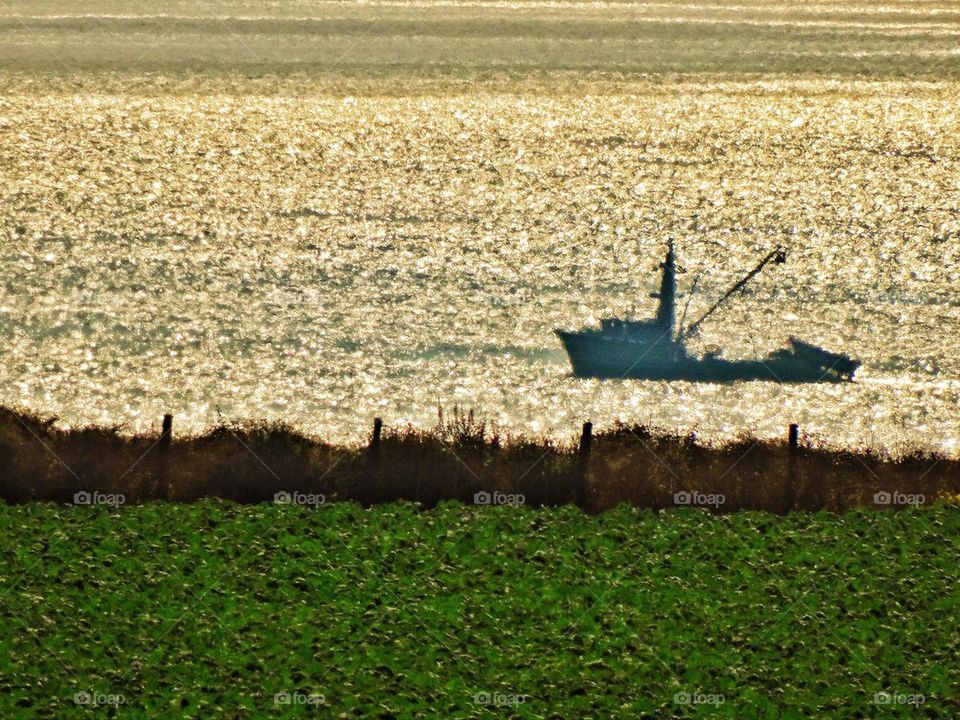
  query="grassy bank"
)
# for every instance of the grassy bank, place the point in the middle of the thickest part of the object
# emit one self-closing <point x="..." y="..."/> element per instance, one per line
<point x="222" y="610"/>
<point x="457" y="460"/>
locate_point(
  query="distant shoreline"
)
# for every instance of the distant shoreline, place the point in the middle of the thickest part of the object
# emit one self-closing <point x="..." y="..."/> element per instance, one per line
<point x="469" y="39"/>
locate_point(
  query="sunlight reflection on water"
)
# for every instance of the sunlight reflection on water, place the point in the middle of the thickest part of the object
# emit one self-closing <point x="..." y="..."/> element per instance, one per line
<point x="322" y="260"/>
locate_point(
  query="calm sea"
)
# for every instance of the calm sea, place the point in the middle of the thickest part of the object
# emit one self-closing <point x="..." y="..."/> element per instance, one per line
<point x="228" y="244"/>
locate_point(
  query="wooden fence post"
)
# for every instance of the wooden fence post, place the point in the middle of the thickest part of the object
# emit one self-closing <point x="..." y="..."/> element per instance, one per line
<point x="166" y="433"/>
<point x="790" y="491"/>
<point x="583" y="462"/>
<point x="586" y="440"/>
<point x="370" y="491"/>
<point x="161" y="484"/>
<point x="374" y="448"/>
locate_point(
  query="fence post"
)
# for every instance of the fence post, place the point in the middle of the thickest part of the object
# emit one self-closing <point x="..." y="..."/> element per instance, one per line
<point x="586" y="440"/>
<point x="166" y="433"/>
<point x="374" y="448"/>
<point x="790" y="491"/>
<point x="370" y="490"/>
<point x="161" y="485"/>
<point x="583" y="462"/>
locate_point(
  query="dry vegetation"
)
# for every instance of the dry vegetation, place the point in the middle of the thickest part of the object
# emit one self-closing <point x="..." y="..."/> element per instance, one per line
<point x="458" y="458"/>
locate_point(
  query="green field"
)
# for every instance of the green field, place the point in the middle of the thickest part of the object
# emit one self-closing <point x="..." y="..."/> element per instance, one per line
<point x="212" y="609"/>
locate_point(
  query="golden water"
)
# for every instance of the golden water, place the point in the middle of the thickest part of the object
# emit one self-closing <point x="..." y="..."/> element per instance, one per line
<point x="324" y="248"/>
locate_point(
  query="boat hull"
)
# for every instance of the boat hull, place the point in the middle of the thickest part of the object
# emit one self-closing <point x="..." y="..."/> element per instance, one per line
<point x="599" y="356"/>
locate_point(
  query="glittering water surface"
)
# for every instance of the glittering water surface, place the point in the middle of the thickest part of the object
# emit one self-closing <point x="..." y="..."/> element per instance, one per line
<point x="286" y="250"/>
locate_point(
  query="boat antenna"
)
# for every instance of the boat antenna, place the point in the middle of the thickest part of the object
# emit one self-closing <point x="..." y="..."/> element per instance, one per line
<point x="777" y="255"/>
<point x="693" y="289"/>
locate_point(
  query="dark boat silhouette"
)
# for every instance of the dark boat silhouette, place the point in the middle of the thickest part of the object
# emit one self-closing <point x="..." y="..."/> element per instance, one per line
<point x="653" y="350"/>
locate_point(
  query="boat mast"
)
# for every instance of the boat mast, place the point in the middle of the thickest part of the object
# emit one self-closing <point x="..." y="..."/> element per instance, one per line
<point x="667" y="309"/>
<point x="777" y="255"/>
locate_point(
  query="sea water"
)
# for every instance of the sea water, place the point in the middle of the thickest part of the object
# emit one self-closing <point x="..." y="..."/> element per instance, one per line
<point x="289" y="247"/>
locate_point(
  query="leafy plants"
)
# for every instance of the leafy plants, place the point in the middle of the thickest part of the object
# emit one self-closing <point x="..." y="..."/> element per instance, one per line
<point x="215" y="609"/>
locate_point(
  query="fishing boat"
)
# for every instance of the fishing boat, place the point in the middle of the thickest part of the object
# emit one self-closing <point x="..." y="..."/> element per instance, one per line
<point x="656" y="349"/>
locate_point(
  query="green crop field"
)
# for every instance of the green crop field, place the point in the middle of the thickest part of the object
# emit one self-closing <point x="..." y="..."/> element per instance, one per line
<point x="222" y="610"/>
